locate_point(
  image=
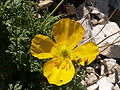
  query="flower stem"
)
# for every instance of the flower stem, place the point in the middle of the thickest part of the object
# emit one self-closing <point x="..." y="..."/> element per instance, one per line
<point x="52" y="12"/>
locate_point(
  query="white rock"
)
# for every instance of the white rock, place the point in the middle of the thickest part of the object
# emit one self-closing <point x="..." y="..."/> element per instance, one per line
<point x="110" y="64"/>
<point x="102" y="70"/>
<point x="113" y="77"/>
<point x="92" y="87"/>
<point x="90" y="70"/>
<point x="113" y="69"/>
<point x="83" y="83"/>
<point x="110" y="60"/>
<point x="105" y="84"/>
<point x="117" y="67"/>
<point x="110" y="28"/>
<point x="95" y="10"/>
<point x="116" y="87"/>
<point x="88" y="28"/>
<point x="91" y="78"/>
<point x="44" y="4"/>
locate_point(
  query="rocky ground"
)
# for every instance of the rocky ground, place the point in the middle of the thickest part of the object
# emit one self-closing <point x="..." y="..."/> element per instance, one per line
<point x="104" y="73"/>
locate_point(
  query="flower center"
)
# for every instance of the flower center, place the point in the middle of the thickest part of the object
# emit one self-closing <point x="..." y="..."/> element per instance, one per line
<point x="65" y="53"/>
<point x="62" y="51"/>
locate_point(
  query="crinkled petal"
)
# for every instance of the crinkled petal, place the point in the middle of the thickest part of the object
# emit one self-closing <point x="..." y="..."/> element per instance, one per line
<point x="58" y="72"/>
<point x="69" y="31"/>
<point x="86" y="53"/>
<point x="41" y="47"/>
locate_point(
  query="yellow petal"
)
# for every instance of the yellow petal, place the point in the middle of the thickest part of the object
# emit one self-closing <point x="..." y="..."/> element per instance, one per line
<point x="69" y="31"/>
<point x="41" y="47"/>
<point x="86" y="52"/>
<point x="58" y="72"/>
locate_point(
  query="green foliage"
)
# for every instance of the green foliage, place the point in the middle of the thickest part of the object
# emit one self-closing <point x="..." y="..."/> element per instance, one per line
<point x="16" y="87"/>
<point x="18" y="69"/>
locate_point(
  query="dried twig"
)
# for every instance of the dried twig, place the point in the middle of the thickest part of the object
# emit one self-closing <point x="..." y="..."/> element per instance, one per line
<point x="108" y="37"/>
<point x="110" y="44"/>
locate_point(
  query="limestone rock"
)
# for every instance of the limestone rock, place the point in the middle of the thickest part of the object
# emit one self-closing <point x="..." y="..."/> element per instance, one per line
<point x="113" y="77"/>
<point x="110" y="28"/>
<point x="91" y="78"/>
<point x="105" y="84"/>
<point x="110" y="64"/>
<point x="99" y="13"/>
<point x="117" y="67"/>
<point x="88" y="28"/>
<point x="102" y="70"/>
<point x="96" y="10"/>
<point x="92" y="87"/>
<point x="116" y="87"/>
<point x="90" y="70"/>
<point x="83" y="83"/>
<point x="44" y="4"/>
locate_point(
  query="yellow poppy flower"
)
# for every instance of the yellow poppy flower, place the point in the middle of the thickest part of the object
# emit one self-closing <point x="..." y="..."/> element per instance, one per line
<point x="67" y="34"/>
